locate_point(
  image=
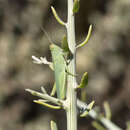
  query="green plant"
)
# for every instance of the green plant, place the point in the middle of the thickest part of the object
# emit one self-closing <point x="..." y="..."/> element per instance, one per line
<point x="64" y="66"/>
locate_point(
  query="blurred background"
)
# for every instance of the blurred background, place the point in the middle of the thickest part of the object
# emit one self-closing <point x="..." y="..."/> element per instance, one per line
<point x="106" y="58"/>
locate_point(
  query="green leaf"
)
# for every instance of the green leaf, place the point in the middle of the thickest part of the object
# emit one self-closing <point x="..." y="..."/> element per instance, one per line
<point x="84" y="80"/>
<point x="107" y="110"/>
<point x="76" y="6"/>
<point x="64" y="44"/>
<point x="53" y="90"/>
<point x="53" y="126"/>
<point x="59" y="70"/>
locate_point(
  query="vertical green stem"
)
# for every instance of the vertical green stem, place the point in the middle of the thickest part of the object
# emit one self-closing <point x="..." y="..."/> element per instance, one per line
<point x="71" y="93"/>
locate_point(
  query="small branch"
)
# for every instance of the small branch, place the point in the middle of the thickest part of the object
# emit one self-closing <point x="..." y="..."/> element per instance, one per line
<point x="89" y="108"/>
<point x="46" y="96"/>
<point x="57" y="17"/>
<point x="107" y="123"/>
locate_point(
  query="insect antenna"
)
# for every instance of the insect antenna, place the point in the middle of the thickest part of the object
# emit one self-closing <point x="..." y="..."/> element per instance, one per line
<point x="47" y="35"/>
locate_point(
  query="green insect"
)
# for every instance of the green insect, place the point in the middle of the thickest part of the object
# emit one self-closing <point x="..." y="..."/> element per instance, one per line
<point x="61" y="58"/>
<point x="59" y="65"/>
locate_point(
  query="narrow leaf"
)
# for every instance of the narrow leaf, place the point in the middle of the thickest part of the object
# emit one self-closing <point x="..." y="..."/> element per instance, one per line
<point x="46" y="104"/>
<point x="53" y="126"/>
<point x="107" y="110"/>
<point x="87" y="37"/>
<point x="59" y="70"/>
<point x="84" y="80"/>
<point x="57" y="17"/>
<point x="53" y="90"/>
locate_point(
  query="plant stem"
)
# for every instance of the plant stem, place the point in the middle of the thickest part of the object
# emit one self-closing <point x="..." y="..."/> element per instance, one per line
<point x="71" y="93"/>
